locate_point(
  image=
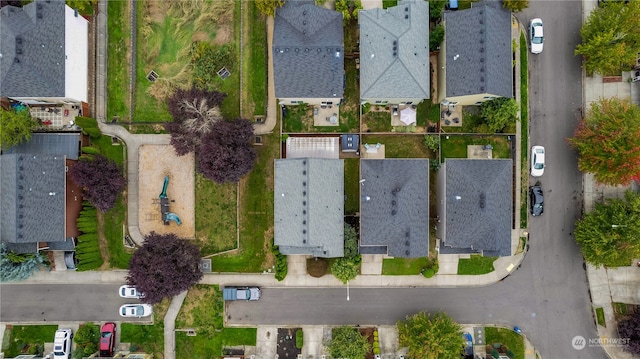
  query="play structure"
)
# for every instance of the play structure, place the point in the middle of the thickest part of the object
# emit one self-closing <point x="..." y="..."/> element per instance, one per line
<point x="167" y="216"/>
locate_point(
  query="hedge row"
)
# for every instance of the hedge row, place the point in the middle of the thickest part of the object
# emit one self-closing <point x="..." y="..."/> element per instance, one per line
<point x="88" y="248"/>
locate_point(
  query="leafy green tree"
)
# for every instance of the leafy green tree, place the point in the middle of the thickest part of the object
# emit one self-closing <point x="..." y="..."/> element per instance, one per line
<point x="515" y="5"/>
<point x="349" y="9"/>
<point x="15" y="267"/>
<point x="268" y="7"/>
<point x="346" y="268"/>
<point x="347" y="343"/>
<point x="435" y="9"/>
<point x="15" y="127"/>
<point x="87" y="338"/>
<point x="85" y="7"/>
<point x="435" y="37"/>
<point x="499" y="112"/>
<point x="610" y="38"/>
<point x="608" y="236"/>
<point x="608" y="141"/>
<point x="431" y="336"/>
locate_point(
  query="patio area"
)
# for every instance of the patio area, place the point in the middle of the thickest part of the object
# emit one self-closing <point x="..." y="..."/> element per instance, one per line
<point x="480" y="151"/>
<point x="405" y="116"/>
<point x="326" y="115"/>
<point x="451" y="116"/>
<point x="373" y="151"/>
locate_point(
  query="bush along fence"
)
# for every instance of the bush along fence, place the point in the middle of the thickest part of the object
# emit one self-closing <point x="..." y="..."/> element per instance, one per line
<point x="88" y="248"/>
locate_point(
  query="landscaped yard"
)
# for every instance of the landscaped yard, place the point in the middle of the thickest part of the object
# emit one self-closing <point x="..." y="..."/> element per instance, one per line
<point x="377" y="121"/>
<point x="27" y="339"/>
<point x="352" y="185"/>
<point x="401" y="146"/>
<point x="254" y="62"/>
<point x="507" y="337"/>
<point x="403" y="266"/>
<point x="203" y="311"/>
<point x="144" y="337"/>
<point x="167" y="34"/>
<point x="256" y="214"/>
<point x="455" y="146"/>
<point x="477" y="264"/>
<point x="118" y="103"/>
<point x="216" y="215"/>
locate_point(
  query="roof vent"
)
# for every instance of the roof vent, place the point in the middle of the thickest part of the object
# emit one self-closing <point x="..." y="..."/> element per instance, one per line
<point x="304" y="212"/>
<point x="304" y="173"/>
<point x="304" y="184"/>
<point x="393" y="212"/>
<point x="406" y="16"/>
<point x="394" y="54"/>
<point x="297" y="49"/>
<point x="304" y="193"/>
<point x="482" y="199"/>
<point x="16" y="60"/>
<point x="304" y="22"/>
<point x="407" y="252"/>
<point x="407" y="243"/>
<point x="482" y="59"/>
<point x="406" y="8"/>
<point x="304" y="203"/>
<point x="482" y="49"/>
<point x="481" y="88"/>
<point x="481" y="21"/>
<point x="482" y="69"/>
<point x="481" y="78"/>
<point x="304" y="241"/>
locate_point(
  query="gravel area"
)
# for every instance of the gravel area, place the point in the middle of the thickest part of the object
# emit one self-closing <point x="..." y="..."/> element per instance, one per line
<point x="156" y="162"/>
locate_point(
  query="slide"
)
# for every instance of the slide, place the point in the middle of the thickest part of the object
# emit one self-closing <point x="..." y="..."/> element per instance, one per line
<point x="173" y="217"/>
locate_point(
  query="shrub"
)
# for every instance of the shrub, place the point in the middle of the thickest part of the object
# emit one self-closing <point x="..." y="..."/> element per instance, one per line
<point x="281" y="262"/>
<point x="432" y="142"/>
<point x="90" y="150"/>
<point x="299" y="338"/>
<point x="16" y="267"/>
<point x="376" y="350"/>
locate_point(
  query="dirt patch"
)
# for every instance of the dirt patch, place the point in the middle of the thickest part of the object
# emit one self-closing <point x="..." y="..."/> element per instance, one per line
<point x="287" y="343"/>
<point x="223" y="34"/>
<point x="368" y="333"/>
<point x="154" y="163"/>
<point x="156" y="10"/>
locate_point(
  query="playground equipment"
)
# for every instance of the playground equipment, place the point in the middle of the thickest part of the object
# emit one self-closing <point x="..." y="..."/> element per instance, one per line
<point x="167" y="216"/>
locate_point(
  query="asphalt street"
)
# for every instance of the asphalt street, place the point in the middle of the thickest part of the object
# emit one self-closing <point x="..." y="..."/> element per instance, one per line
<point x="38" y="303"/>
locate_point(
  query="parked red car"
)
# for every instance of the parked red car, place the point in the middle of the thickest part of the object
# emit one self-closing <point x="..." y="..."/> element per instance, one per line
<point x="108" y="339"/>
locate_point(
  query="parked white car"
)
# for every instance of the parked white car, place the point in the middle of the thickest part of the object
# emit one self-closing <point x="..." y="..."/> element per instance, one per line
<point x="536" y="36"/>
<point x="130" y="292"/>
<point x="537" y="161"/>
<point x="136" y="310"/>
<point x="62" y="343"/>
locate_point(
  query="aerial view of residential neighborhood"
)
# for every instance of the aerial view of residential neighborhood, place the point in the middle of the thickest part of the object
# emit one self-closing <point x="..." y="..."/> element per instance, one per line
<point x="320" y="179"/>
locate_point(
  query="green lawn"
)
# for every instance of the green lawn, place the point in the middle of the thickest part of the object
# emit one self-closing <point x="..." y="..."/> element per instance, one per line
<point x="203" y="310"/>
<point x="118" y="67"/>
<point x="426" y="110"/>
<point x="600" y="317"/>
<point x="401" y="146"/>
<point x="512" y="340"/>
<point x="256" y="214"/>
<point x="377" y="121"/>
<point x="352" y="185"/>
<point x="216" y="211"/>
<point x="114" y="219"/>
<point x="524" y="123"/>
<point x="23" y="339"/>
<point x="389" y="3"/>
<point x="144" y="337"/>
<point x="256" y="61"/>
<point x="403" y="266"/>
<point x="477" y="264"/>
<point x="456" y="145"/>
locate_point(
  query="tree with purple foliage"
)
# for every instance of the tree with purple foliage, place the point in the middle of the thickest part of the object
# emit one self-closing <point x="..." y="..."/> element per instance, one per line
<point x="164" y="266"/>
<point x="630" y="328"/>
<point x="194" y="112"/>
<point x="226" y="153"/>
<point x="100" y="178"/>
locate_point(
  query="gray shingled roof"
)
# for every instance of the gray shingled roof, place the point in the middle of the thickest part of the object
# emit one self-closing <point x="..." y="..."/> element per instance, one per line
<point x="478" y="51"/>
<point x="394" y="206"/>
<point x="479" y="206"/>
<point x="308" y="51"/>
<point x="394" y="51"/>
<point x="33" y="198"/>
<point x="32" y="44"/>
<point x="50" y="143"/>
<point x="309" y="206"/>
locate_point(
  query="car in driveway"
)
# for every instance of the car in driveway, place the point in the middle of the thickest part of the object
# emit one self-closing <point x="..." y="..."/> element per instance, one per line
<point x="62" y="343"/>
<point x="536" y="35"/>
<point x="537" y="161"/>
<point x="135" y="310"/>
<point x="536" y="200"/>
<point x="108" y="339"/>
<point x="130" y="292"/>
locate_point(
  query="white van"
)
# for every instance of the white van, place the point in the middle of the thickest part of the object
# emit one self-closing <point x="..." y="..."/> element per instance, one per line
<point x="62" y="344"/>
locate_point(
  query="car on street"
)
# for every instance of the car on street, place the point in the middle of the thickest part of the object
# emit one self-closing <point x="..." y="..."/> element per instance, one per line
<point x="537" y="161"/>
<point x="108" y="339"/>
<point x="62" y="343"/>
<point x="536" y="200"/>
<point x="130" y="292"/>
<point x="136" y="310"/>
<point x="536" y="36"/>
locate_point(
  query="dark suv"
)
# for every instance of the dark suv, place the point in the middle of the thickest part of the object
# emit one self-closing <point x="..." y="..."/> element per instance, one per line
<point x="536" y="200"/>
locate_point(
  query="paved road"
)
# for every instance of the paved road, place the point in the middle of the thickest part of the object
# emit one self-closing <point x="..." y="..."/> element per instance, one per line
<point x="548" y="296"/>
<point x="38" y="303"/>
